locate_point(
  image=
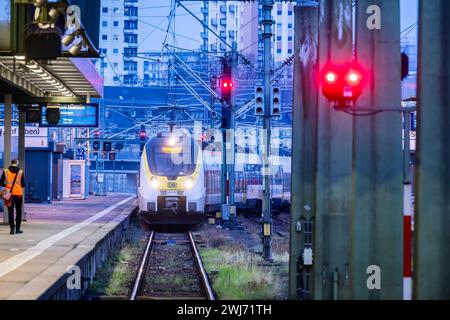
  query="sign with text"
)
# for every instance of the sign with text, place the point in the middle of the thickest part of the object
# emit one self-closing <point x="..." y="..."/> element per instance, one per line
<point x="73" y="115"/>
<point x="35" y="137"/>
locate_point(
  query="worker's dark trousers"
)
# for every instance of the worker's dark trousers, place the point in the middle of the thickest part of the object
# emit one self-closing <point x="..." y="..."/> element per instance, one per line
<point x="16" y="202"/>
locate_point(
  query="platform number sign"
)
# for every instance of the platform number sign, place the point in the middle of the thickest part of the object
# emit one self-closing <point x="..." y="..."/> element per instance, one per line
<point x="81" y="154"/>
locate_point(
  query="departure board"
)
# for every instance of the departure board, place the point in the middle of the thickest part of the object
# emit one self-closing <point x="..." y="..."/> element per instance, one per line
<point x="73" y="115"/>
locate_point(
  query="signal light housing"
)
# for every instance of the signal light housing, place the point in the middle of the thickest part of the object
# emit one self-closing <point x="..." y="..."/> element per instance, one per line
<point x="96" y="145"/>
<point x="259" y="100"/>
<point x="343" y="84"/>
<point x="227" y="86"/>
<point x="142" y="135"/>
<point x="107" y="146"/>
<point x="276" y="102"/>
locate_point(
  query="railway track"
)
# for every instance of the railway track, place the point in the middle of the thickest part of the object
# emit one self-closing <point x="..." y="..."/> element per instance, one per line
<point x="281" y="220"/>
<point x="276" y="231"/>
<point x="171" y="268"/>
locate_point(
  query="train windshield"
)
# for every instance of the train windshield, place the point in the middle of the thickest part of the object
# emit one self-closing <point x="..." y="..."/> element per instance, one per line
<point x="171" y="161"/>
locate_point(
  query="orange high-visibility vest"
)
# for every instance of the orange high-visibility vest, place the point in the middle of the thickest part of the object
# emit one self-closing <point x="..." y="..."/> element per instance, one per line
<point x="18" y="188"/>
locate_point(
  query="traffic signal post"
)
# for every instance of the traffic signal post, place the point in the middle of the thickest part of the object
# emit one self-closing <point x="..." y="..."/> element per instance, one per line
<point x="267" y="22"/>
<point x="228" y="147"/>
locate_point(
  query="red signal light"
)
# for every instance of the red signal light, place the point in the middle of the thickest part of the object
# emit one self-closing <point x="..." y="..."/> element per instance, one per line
<point x="227" y="84"/>
<point x="354" y="78"/>
<point x="343" y="84"/>
<point x="227" y="87"/>
<point x="331" y="77"/>
<point x="142" y="135"/>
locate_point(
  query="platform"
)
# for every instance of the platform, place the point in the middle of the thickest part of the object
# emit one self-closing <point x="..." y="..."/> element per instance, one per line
<point x="56" y="237"/>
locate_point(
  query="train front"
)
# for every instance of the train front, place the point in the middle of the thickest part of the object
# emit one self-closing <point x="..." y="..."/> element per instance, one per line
<point x="171" y="187"/>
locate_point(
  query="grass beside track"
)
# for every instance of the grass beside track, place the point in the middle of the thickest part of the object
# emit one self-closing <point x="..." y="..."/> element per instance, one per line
<point x="236" y="273"/>
<point x="116" y="274"/>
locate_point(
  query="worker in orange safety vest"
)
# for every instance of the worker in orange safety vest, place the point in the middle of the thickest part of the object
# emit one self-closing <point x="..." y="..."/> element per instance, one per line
<point x="13" y="178"/>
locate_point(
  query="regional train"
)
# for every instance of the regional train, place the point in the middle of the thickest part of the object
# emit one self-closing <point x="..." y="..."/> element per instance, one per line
<point x="179" y="180"/>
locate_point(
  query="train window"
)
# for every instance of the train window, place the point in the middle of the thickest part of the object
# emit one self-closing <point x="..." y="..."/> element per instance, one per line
<point x="165" y="163"/>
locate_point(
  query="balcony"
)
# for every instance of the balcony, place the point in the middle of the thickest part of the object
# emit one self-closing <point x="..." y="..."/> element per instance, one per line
<point x="223" y="9"/>
<point x="130" y="44"/>
<point x="223" y="21"/>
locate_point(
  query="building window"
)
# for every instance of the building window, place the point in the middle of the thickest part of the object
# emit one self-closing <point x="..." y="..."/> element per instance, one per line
<point x="279" y="25"/>
<point x="279" y="12"/>
<point x="289" y="51"/>
<point x="116" y="10"/>
<point x="278" y="51"/>
<point x="105" y="9"/>
<point x="104" y="37"/>
<point x="130" y="25"/>
<point x="290" y="25"/>
<point x="116" y="23"/>
<point x="116" y="78"/>
<point x="289" y="38"/>
<point x="104" y="23"/>
<point x="278" y="38"/>
<point x="290" y="13"/>
<point x="130" y="52"/>
<point x="115" y="51"/>
<point x="131" y="38"/>
<point x="115" y="64"/>
<point x="130" y="66"/>
<point x="104" y="51"/>
<point x="130" y="79"/>
<point x="131" y="11"/>
<point x="104" y="64"/>
<point x="115" y="37"/>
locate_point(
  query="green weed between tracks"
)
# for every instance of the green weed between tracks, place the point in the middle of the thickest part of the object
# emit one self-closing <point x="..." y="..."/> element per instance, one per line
<point x="238" y="274"/>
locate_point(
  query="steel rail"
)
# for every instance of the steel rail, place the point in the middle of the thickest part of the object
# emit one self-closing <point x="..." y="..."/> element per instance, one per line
<point x="281" y="234"/>
<point x="281" y="219"/>
<point x="203" y="276"/>
<point x="140" y="276"/>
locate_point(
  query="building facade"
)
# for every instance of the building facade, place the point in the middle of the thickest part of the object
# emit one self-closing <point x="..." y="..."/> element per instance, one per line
<point x="119" y="36"/>
<point x="241" y="22"/>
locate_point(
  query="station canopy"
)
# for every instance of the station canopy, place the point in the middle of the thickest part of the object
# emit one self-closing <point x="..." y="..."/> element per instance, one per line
<point x="63" y="77"/>
<point x="59" y="55"/>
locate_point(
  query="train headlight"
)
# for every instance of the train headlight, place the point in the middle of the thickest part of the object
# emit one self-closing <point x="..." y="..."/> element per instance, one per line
<point x="189" y="183"/>
<point x="154" y="183"/>
<point x="172" y="141"/>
